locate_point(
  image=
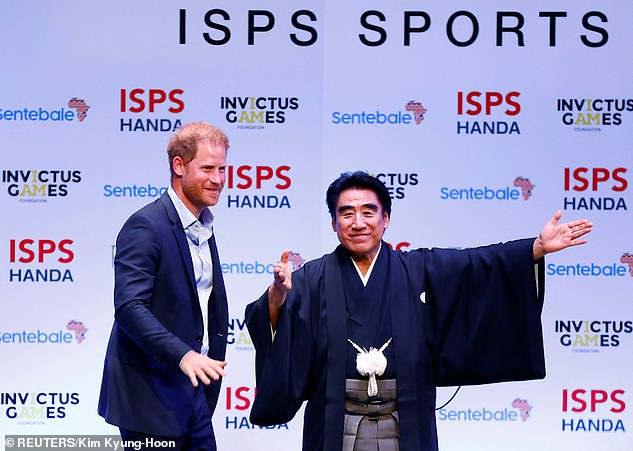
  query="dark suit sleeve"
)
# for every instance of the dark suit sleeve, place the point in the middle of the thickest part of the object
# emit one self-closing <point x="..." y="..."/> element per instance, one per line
<point x="486" y="306"/>
<point x="138" y="254"/>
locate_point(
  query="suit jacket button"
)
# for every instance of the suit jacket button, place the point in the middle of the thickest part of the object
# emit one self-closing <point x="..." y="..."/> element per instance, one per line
<point x="199" y="339"/>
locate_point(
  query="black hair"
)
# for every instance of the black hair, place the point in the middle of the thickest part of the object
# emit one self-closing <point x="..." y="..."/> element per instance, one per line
<point x="358" y="179"/>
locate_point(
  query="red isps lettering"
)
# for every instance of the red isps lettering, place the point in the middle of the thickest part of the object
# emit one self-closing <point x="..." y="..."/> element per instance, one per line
<point x="240" y="398"/>
<point x="28" y="250"/>
<point x="596" y="397"/>
<point x="491" y="100"/>
<point x="581" y="179"/>
<point x="139" y="99"/>
<point x="399" y="246"/>
<point x="244" y="177"/>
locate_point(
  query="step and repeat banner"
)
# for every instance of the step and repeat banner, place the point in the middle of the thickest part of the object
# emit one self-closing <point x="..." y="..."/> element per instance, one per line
<point x="482" y="119"/>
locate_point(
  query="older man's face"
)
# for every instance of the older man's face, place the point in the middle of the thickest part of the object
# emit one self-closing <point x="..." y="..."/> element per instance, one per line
<point x="360" y="222"/>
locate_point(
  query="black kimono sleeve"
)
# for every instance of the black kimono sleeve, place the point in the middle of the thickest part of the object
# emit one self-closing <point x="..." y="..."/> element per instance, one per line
<point x="285" y="367"/>
<point x="485" y="306"/>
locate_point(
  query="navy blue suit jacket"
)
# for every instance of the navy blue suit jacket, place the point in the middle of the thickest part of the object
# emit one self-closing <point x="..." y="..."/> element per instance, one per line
<point x="157" y="321"/>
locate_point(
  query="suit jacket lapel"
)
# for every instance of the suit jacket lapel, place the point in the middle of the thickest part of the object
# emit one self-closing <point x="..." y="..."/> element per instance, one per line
<point x="181" y="239"/>
<point x="218" y="308"/>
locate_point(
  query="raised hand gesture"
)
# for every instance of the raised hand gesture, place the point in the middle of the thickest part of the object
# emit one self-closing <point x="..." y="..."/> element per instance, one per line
<point x="556" y="236"/>
<point x="282" y="284"/>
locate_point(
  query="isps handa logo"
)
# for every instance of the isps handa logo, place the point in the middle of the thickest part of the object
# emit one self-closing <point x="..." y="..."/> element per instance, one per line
<point x="150" y="110"/>
<point x="257" y="112"/>
<point x="488" y="113"/>
<point x="412" y="112"/>
<point x="238" y="401"/>
<point x="595" y="188"/>
<point x="39" y="185"/>
<point x="260" y="186"/>
<point x="41" y="260"/>
<point x="75" y="110"/>
<point x="29" y="408"/>
<point x="587" y="410"/>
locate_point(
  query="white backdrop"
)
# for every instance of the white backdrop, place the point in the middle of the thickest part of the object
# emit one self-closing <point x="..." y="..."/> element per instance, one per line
<point x="512" y="95"/>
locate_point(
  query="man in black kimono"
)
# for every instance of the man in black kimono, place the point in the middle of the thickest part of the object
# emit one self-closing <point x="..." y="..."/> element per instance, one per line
<point x="365" y="334"/>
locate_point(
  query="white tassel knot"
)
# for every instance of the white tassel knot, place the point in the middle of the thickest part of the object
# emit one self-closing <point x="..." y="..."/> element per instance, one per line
<point x="371" y="363"/>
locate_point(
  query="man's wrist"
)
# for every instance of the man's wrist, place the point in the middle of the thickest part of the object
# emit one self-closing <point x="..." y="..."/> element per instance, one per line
<point x="183" y="358"/>
<point x="538" y="250"/>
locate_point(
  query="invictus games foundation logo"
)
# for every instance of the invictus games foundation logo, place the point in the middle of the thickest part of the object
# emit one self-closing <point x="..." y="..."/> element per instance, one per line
<point x="591" y="336"/>
<point x="34" y="408"/>
<point x="238" y="336"/>
<point x="398" y="183"/>
<point x="412" y="112"/>
<point x="593" y="114"/>
<point x="39" y="185"/>
<point x="257" y="112"/>
<point x="75" y="109"/>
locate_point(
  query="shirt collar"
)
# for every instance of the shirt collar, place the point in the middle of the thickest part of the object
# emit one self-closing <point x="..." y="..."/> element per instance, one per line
<point x="187" y="218"/>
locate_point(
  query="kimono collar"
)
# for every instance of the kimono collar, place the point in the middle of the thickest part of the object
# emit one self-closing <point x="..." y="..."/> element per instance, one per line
<point x="365" y="278"/>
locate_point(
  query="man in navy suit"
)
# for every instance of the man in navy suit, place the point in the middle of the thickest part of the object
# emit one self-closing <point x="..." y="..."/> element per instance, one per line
<point x="165" y="357"/>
